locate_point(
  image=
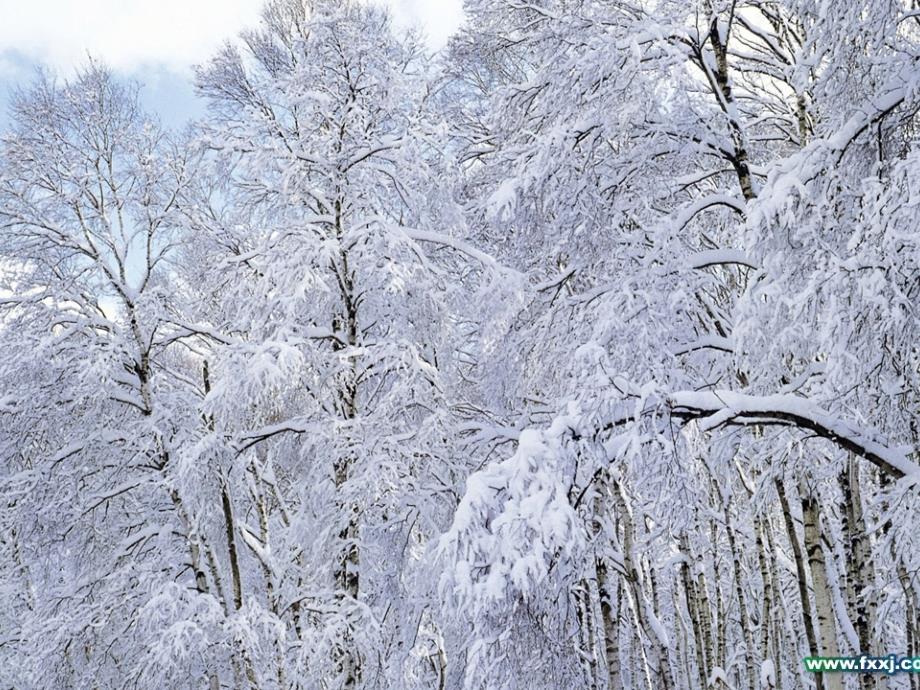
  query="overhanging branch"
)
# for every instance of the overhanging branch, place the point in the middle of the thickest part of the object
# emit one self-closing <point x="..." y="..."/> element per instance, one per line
<point x="713" y="409"/>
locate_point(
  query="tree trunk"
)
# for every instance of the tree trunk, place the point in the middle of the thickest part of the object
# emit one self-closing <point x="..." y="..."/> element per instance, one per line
<point x="860" y="575"/>
<point x="720" y="83"/>
<point x="194" y="546"/>
<point x="817" y="563"/>
<point x="780" y="615"/>
<point x="346" y="568"/>
<point x="739" y="593"/>
<point x="585" y="630"/>
<point x="642" y="607"/>
<point x="610" y="614"/>
<point x="693" y="610"/>
<point x="706" y="630"/>
<point x="802" y="578"/>
<point x="766" y="615"/>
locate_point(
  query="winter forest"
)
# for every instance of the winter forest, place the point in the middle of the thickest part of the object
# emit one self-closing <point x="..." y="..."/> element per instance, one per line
<point x="581" y="354"/>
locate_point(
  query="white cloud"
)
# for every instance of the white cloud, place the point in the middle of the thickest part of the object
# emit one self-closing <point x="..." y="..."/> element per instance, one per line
<point x="438" y="18"/>
<point x="126" y="34"/>
<point x="168" y="34"/>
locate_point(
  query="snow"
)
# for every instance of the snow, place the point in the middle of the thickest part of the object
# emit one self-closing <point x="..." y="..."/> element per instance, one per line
<point x="719" y="257"/>
<point x="689" y="212"/>
<point x="727" y="405"/>
<point x="657" y="627"/>
<point x="459" y="245"/>
<point x="516" y="516"/>
<point x="438" y="370"/>
<point x="719" y="678"/>
<point x="713" y="342"/>
<point x="502" y="202"/>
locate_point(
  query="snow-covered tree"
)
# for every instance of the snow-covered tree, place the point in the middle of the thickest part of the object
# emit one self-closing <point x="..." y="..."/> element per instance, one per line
<point x="581" y="355"/>
<point x="95" y="405"/>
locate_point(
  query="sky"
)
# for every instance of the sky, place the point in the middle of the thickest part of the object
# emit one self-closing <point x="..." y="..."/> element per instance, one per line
<point x="156" y="43"/>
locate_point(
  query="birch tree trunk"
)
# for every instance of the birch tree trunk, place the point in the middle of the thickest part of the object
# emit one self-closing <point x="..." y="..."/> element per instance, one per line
<point x="780" y="614"/>
<point x="658" y="656"/>
<point x="706" y="631"/>
<point x="608" y="594"/>
<point x="801" y="577"/>
<point x="226" y="503"/>
<point x="817" y="564"/>
<point x="693" y="610"/>
<point x="610" y="614"/>
<point x="585" y="629"/>
<point x="739" y="592"/>
<point x="766" y="577"/>
<point x="347" y="567"/>
<point x="860" y="576"/>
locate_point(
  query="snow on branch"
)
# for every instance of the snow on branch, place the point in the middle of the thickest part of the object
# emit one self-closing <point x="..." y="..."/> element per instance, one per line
<point x="791" y="175"/>
<point x="706" y="342"/>
<point x="486" y="260"/>
<point x="687" y="213"/>
<point x="514" y="521"/>
<point x="254" y="437"/>
<point x="720" y="257"/>
<point x="713" y="409"/>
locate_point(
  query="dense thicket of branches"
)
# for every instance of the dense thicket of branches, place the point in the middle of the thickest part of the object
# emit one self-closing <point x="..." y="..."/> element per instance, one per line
<point x="585" y="354"/>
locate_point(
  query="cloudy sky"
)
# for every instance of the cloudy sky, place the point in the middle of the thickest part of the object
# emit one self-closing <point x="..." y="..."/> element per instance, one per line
<point x="154" y="42"/>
